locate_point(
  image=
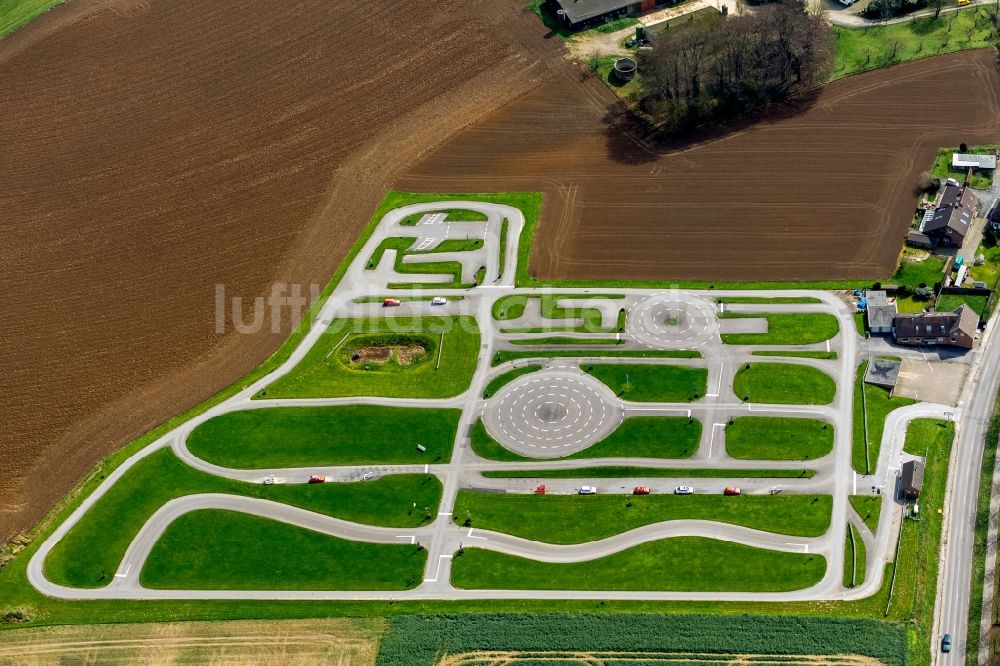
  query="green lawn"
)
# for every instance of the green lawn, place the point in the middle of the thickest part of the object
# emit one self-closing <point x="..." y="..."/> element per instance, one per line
<point x="916" y="268"/>
<point x="328" y="371"/>
<point x="822" y="355"/>
<point x="499" y="381"/>
<point x="651" y="472"/>
<point x="97" y="543"/>
<point x="504" y="355"/>
<point x="682" y="563"/>
<point x="989" y="272"/>
<point x="561" y="340"/>
<point x="781" y="383"/>
<point x="638" y="436"/>
<point x="402" y="247"/>
<point x="868" y="507"/>
<point x="564" y="519"/>
<point x="512" y="307"/>
<point x="879" y="405"/>
<point x="340" y="435"/>
<point x="859" y="50"/>
<point x="652" y="382"/>
<point x="953" y="301"/>
<point x="767" y="300"/>
<point x="785" y="329"/>
<point x="778" y="438"/>
<point x="17" y="13"/>
<point x="942" y="166"/>
<point x="226" y="550"/>
<point x="453" y="215"/>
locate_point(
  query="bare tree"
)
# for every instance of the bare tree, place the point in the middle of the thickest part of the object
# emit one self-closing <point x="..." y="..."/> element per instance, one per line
<point x="938" y="4"/>
<point x="869" y="52"/>
<point x="894" y="46"/>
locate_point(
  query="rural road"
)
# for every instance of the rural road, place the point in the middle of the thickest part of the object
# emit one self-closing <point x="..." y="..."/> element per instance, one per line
<point x="557" y="410"/>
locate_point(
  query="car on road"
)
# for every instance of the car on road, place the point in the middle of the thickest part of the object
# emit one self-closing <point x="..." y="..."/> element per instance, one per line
<point x="946" y="643"/>
<point x="683" y="490"/>
<point x="640" y="490"/>
<point x="391" y="302"/>
<point x="776" y="489"/>
<point x="439" y="300"/>
<point x="588" y="490"/>
<point x="731" y="490"/>
<point x="540" y="490"/>
<point x="317" y="478"/>
<point x="269" y="480"/>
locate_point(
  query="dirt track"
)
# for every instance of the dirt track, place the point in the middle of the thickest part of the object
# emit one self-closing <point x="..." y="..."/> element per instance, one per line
<point x="825" y="192"/>
<point x="155" y="149"/>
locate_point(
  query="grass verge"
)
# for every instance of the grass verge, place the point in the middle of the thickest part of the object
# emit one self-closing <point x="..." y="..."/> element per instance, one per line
<point x="651" y="472"/>
<point x="878" y="404"/>
<point x="500" y="381"/>
<point x="822" y="355"/>
<point x="503" y="356"/>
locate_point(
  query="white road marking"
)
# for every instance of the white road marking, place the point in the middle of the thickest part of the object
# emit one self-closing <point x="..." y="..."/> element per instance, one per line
<point x="437" y="572"/>
<point x="470" y="535"/>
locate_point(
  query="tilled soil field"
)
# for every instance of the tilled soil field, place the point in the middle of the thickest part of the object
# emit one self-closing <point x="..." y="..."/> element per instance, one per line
<point x="152" y="150"/>
<point x="823" y="190"/>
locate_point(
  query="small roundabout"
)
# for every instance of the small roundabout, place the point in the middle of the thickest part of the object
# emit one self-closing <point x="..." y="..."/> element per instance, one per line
<point x="551" y="414"/>
<point x="676" y="320"/>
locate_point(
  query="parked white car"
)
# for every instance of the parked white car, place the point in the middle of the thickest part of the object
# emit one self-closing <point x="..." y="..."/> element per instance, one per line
<point x="439" y="300"/>
<point x="683" y="490"/>
<point x="588" y="490"/>
<point x="270" y="480"/>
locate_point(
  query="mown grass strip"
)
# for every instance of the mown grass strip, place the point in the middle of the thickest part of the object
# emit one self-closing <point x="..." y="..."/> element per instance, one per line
<point x="501" y="380"/>
<point x="785" y="329"/>
<point x="682" y="563"/>
<point x="650" y="472"/>
<point x="778" y="438"/>
<point x="322" y="436"/>
<point x="90" y="552"/>
<point x="652" y="382"/>
<point x="564" y="519"/>
<point x="822" y="355"/>
<point x="783" y="383"/>
<point x="877" y="403"/>
<point x="868" y="508"/>
<point x="227" y="550"/>
<point x="503" y="356"/>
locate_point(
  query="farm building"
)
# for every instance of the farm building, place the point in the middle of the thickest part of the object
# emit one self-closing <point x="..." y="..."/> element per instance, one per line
<point x="585" y="13"/>
<point x="977" y="162"/>
<point x="911" y="479"/>
<point x="950" y="222"/>
<point x="880" y="312"/>
<point x="956" y="329"/>
<point x="993" y="219"/>
<point x="883" y="372"/>
<point x="661" y="29"/>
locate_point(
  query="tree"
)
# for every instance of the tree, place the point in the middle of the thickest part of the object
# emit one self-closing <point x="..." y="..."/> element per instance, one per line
<point x="922" y="293"/>
<point x="937" y="4"/>
<point x="894" y="46"/>
<point x="869" y="52"/>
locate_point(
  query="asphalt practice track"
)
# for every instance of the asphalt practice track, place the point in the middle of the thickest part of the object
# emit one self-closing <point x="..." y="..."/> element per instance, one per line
<point x="547" y="414"/>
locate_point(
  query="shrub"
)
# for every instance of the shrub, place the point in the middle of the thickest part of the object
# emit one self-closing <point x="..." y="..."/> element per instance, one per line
<point x="16" y="616"/>
<point x="922" y="293"/>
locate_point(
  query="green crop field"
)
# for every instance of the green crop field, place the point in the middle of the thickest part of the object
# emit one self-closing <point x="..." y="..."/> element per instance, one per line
<point x="778" y="438"/>
<point x="566" y="519"/>
<point x="652" y="383"/>
<point x="88" y="555"/>
<point x="681" y="563"/>
<point x="340" y="435"/>
<point x="783" y="383"/>
<point x="637" y="437"/>
<point x="226" y="550"/>
<point x="785" y="329"/>
<point x="327" y="371"/>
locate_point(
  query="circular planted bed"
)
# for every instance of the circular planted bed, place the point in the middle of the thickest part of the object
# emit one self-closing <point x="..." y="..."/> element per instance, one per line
<point x="386" y="352"/>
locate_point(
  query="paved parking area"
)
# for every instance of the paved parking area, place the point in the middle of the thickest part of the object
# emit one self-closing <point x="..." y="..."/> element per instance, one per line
<point x="931" y="381"/>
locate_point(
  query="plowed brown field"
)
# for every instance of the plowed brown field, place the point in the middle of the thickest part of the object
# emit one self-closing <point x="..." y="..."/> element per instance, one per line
<point x="154" y="149"/>
<point x="824" y="192"/>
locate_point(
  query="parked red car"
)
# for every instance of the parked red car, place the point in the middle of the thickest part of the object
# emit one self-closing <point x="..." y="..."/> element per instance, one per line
<point x="317" y="478"/>
<point x="640" y="490"/>
<point x="391" y="302"/>
<point x="732" y="491"/>
<point x="540" y="490"/>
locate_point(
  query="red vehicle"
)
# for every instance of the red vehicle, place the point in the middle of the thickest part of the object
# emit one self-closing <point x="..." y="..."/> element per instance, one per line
<point x="391" y="302"/>
<point x="640" y="490"/>
<point x="540" y="490"/>
<point x="317" y="478"/>
<point x="730" y="490"/>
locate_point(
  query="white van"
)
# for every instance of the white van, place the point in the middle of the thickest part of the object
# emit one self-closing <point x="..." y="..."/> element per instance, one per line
<point x="588" y="490"/>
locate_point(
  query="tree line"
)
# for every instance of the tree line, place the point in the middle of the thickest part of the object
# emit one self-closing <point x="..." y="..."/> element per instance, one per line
<point x="731" y="65"/>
